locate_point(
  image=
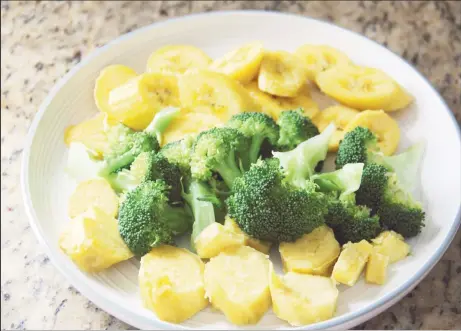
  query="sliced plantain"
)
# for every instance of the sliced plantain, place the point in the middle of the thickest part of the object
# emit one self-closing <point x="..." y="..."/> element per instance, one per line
<point x="137" y="101"/>
<point x="282" y="74"/>
<point x="176" y="59"/>
<point x="385" y="127"/>
<point x="91" y="133"/>
<point x="109" y="78"/>
<point x="273" y="105"/>
<point x="214" y="93"/>
<point x="361" y="88"/>
<point x="318" y="58"/>
<point x="241" y="64"/>
<point x="340" y="116"/>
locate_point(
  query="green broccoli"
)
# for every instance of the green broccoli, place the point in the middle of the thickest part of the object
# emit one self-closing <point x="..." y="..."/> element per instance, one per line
<point x="300" y="163"/>
<point x="294" y="129"/>
<point x="259" y="128"/>
<point x="358" y="146"/>
<point x="179" y="153"/>
<point x="267" y="206"/>
<point x="147" y="220"/>
<point x="382" y="191"/>
<point x="218" y="151"/>
<point x="126" y="144"/>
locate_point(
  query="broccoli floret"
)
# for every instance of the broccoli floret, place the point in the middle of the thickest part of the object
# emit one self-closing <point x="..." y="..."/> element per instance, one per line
<point x="267" y="206"/>
<point x="383" y="193"/>
<point x="125" y="146"/>
<point x="399" y="211"/>
<point x="358" y="146"/>
<point x="146" y="219"/>
<point x="259" y="128"/>
<point x="179" y="153"/>
<point x="300" y="163"/>
<point x="294" y="129"/>
<point x="218" y="151"/>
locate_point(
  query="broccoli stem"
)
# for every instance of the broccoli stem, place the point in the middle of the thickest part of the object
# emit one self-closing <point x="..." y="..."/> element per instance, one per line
<point x="229" y="170"/>
<point x="255" y="149"/>
<point x="118" y="163"/>
<point x="202" y="209"/>
<point x="178" y="219"/>
<point x="161" y="122"/>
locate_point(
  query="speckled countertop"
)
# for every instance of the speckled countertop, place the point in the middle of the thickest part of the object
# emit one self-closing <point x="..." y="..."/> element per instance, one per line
<point x="41" y="41"/>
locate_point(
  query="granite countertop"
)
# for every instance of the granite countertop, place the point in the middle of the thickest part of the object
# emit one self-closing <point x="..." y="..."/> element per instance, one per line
<point x="41" y="41"/>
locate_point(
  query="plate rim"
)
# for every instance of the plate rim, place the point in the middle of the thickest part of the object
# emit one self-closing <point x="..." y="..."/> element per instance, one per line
<point x="351" y="318"/>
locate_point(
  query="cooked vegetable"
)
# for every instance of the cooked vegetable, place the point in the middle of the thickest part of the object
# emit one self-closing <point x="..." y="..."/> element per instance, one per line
<point x="340" y="116"/>
<point x="216" y="238"/>
<point x="177" y="59"/>
<point x="179" y="153"/>
<point x="92" y="241"/>
<point x="281" y="74"/>
<point x="218" y="150"/>
<point x="391" y="244"/>
<point x="241" y="64"/>
<point x="146" y="219"/>
<point x="236" y="282"/>
<point x="376" y="270"/>
<point x="260" y="245"/>
<point x="93" y="193"/>
<point x="351" y="262"/>
<point x="294" y="129"/>
<point x="302" y="299"/>
<point x="361" y="88"/>
<point x="314" y="253"/>
<point x="382" y="125"/>
<point x="171" y="283"/>
<point x="213" y="93"/>
<point x="349" y="221"/>
<point x="267" y="206"/>
<point x="318" y="58"/>
<point x="259" y="128"/>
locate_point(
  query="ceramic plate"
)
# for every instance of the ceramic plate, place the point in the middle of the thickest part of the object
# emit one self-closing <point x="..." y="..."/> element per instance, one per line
<point x="46" y="187"/>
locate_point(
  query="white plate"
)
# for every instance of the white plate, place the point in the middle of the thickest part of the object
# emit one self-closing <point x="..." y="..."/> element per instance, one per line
<point x="46" y="188"/>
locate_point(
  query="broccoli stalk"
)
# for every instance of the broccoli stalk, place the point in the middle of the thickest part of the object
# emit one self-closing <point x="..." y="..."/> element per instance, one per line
<point x="294" y="129"/>
<point x="147" y="220"/>
<point x="259" y="128"/>
<point x="161" y="122"/>
<point x="299" y="164"/>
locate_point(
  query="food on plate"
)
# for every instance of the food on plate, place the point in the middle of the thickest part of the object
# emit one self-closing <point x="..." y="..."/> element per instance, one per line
<point x="171" y="283"/>
<point x="362" y="88"/>
<point x="147" y="220"/>
<point x="318" y="58"/>
<point x="273" y="105"/>
<point x="214" y="93"/>
<point x="376" y="270"/>
<point x="232" y="154"/>
<point x="93" y="193"/>
<point x="302" y="299"/>
<point x="91" y="133"/>
<point x="295" y="128"/>
<point x="135" y="102"/>
<point x="216" y="238"/>
<point x="260" y="245"/>
<point x="110" y="78"/>
<point x="176" y="59"/>
<point x="93" y="242"/>
<point x="340" y="116"/>
<point x="351" y="262"/>
<point x="314" y="253"/>
<point x="236" y="282"/>
<point x="241" y="64"/>
<point x="281" y="74"/>
<point x="391" y="244"/>
<point x="382" y="125"/>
